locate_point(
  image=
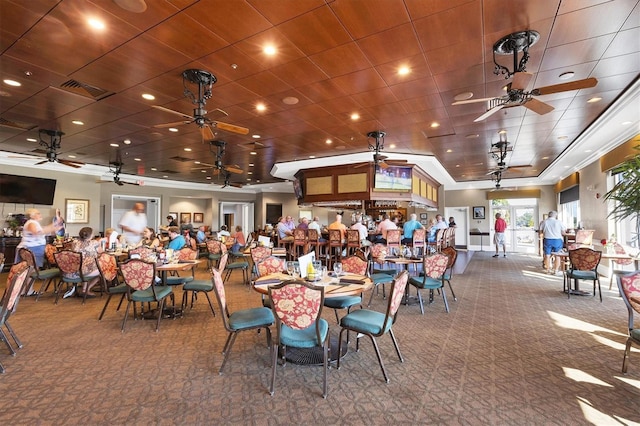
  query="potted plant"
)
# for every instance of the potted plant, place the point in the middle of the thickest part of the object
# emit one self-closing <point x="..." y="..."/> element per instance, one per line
<point x="626" y="193"/>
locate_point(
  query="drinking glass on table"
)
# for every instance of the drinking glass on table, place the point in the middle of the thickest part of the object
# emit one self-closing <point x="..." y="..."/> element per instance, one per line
<point x="290" y="268"/>
<point x="296" y="271"/>
<point x="337" y="269"/>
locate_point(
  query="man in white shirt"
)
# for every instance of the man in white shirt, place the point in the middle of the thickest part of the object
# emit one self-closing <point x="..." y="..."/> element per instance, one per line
<point x="315" y="224"/>
<point x="362" y="230"/>
<point x="133" y="223"/>
<point x="553" y="232"/>
<point x="440" y="223"/>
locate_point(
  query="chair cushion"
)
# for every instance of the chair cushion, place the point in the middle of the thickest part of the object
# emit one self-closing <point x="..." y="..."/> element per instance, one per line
<point x="582" y="275"/>
<point x="248" y="318"/>
<point x="198" y="285"/>
<point x="214" y="256"/>
<point x="46" y="273"/>
<point x="304" y="338"/>
<point x="162" y="291"/>
<point x="366" y="321"/>
<point x="635" y="334"/>
<point x="118" y="289"/>
<point x="385" y="271"/>
<point x="381" y="278"/>
<point x="237" y="265"/>
<point x="429" y="283"/>
<point x="342" y="302"/>
<point x="179" y="280"/>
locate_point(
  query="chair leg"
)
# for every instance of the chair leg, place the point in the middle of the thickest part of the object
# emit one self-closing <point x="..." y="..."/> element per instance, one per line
<point x="230" y="340"/>
<point x="444" y="297"/>
<point x="452" y="293"/>
<point x="395" y="344"/>
<point x="160" y="310"/>
<point x="13" y="335"/>
<point x="325" y="350"/>
<point x="375" y="346"/>
<point x="627" y="351"/>
<point x="210" y="305"/>
<point x="6" y="341"/>
<point x="599" y="289"/>
<point x="340" y="348"/>
<point x="420" y="300"/>
<point x="274" y="362"/>
<point x="105" y="307"/>
<point x="126" y="314"/>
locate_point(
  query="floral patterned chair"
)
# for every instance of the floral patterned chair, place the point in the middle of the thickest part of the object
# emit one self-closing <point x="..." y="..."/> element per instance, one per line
<point x="380" y="275"/>
<point x="17" y="279"/>
<point x="584" y="266"/>
<point x="204" y="286"/>
<point x="629" y="286"/>
<point x="419" y="239"/>
<point x="452" y="254"/>
<point x="258" y="254"/>
<point x="350" y="265"/>
<point x="375" y="324"/>
<point x="140" y="278"/>
<point x="70" y="265"/>
<point x="216" y="249"/>
<point x="236" y="322"/>
<point x="108" y="268"/>
<point x="297" y="308"/>
<point x="47" y="276"/>
<point x="271" y="265"/>
<point x="618" y="249"/>
<point x="434" y="267"/>
<point x="144" y="253"/>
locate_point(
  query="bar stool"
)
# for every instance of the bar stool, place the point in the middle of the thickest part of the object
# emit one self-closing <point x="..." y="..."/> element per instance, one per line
<point x="353" y="241"/>
<point x="419" y="239"/>
<point x="299" y="242"/>
<point x="335" y="247"/>
<point x="319" y="247"/>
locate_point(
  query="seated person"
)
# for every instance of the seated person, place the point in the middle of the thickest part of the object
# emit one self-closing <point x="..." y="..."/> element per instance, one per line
<point x="172" y="221"/>
<point x="201" y="237"/>
<point x="90" y="248"/>
<point x="223" y="232"/>
<point x="409" y="226"/>
<point x="383" y="227"/>
<point x="240" y="241"/>
<point x="431" y="231"/>
<point x="339" y="226"/>
<point x="315" y="224"/>
<point x="149" y="239"/>
<point x="110" y="238"/>
<point x="304" y="223"/>
<point x="284" y="233"/>
<point x="188" y="240"/>
<point x="362" y="230"/>
<point x="187" y="226"/>
<point x="177" y="241"/>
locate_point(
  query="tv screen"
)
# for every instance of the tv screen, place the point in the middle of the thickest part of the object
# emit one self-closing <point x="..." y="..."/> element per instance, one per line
<point x="297" y="188"/>
<point x="26" y="190"/>
<point x="393" y="178"/>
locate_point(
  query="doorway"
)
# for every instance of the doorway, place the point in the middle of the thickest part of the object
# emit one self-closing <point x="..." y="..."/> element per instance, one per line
<point x="461" y="217"/>
<point x="520" y="236"/>
<point x="120" y="204"/>
<point x="236" y="214"/>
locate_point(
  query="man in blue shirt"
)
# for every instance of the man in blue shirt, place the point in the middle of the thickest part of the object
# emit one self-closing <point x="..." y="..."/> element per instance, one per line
<point x="177" y="241"/>
<point x="201" y="236"/>
<point x="409" y="226"/>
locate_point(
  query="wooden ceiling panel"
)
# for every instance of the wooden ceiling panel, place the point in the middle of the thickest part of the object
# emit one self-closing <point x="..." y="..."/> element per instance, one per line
<point x="403" y="38"/>
<point x="624" y="43"/>
<point x="277" y="11"/>
<point x="416" y="65"/>
<point x="315" y="31"/>
<point x="264" y="84"/>
<point x="322" y="91"/>
<point x="455" y="57"/>
<point x="617" y="65"/>
<point x="414" y="88"/>
<point x="570" y="54"/>
<point x="450" y="28"/>
<point x="419" y="9"/>
<point x="375" y="97"/>
<point x="360" y="81"/>
<point x="286" y="50"/>
<point x="633" y="20"/>
<point x="341" y="60"/>
<point x="300" y="72"/>
<point x="423" y="103"/>
<point x="230" y="20"/>
<point x="362" y="19"/>
<point x="520" y="16"/>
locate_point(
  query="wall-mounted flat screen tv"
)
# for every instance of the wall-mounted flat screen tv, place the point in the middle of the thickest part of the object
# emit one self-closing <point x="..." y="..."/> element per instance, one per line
<point x="26" y="190"/>
<point x="393" y="178"/>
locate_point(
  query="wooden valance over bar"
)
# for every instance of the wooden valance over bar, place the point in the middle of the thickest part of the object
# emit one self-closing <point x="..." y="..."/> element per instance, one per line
<point x="360" y="182"/>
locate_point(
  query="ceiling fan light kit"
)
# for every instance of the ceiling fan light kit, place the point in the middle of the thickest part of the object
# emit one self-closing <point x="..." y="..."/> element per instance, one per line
<point x="513" y="44"/>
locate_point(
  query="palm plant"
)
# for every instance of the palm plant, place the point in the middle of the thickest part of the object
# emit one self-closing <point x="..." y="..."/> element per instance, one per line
<point x="626" y="192"/>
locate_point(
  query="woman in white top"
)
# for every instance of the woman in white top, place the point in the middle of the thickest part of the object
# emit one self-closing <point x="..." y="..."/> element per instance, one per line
<point x="33" y="236"/>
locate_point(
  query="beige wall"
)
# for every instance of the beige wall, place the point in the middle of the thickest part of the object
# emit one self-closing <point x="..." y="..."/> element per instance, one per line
<point x="593" y="211"/>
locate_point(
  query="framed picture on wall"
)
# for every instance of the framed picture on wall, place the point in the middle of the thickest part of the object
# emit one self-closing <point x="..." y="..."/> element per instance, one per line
<point x="423" y="216"/>
<point x="478" y="212"/>
<point x="77" y="211"/>
<point x="198" y="217"/>
<point x="185" y="217"/>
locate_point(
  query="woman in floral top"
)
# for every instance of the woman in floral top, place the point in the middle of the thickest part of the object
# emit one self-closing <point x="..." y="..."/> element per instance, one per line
<point x="90" y="249"/>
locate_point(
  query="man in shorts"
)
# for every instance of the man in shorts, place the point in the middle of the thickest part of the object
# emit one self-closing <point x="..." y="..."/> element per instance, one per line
<point x="553" y="232"/>
<point x="498" y="238"/>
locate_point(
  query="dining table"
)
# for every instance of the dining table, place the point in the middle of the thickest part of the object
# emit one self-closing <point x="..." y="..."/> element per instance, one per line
<point x="180" y="266"/>
<point x="406" y="261"/>
<point x="344" y="285"/>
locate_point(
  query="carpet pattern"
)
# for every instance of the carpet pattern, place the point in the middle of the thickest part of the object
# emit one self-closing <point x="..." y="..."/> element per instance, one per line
<point x="512" y="351"/>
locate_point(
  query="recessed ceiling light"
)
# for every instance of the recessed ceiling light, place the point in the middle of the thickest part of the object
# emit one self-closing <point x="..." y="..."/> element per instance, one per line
<point x="165" y="176"/>
<point x="312" y="156"/>
<point x="472" y="136"/>
<point x="203" y="171"/>
<point x="457" y="165"/>
<point x="463" y="96"/>
<point x="355" y="116"/>
<point x="502" y="132"/>
<point x="137" y="159"/>
<point x="78" y="122"/>
<point x="253" y="153"/>
<point x="196" y="162"/>
<point x="173" y="129"/>
<point x="449" y="150"/>
<point x="234" y="66"/>
<point x="148" y="96"/>
<point x="626" y="123"/>
<point x="588" y="150"/>
<point x="96" y="24"/>
<point x="594" y="99"/>
<point x="249" y="173"/>
<point x="545" y="158"/>
<point x="248" y="179"/>
<point x="392" y="146"/>
<point x="290" y="100"/>
<point x="10" y="82"/>
<point x="261" y="107"/>
<point x="188" y="149"/>
<point x="208" y="177"/>
<point x="566" y="75"/>
<point x="72" y="156"/>
<point x="32" y="140"/>
<point x="255" y="136"/>
<point x="403" y="70"/>
<point x="154" y="169"/>
<point x="115" y="145"/>
<point x="328" y="141"/>
<point x="127" y="141"/>
<point x="250" y="164"/>
<point x="435" y="124"/>
<point x="562" y="138"/>
<point x="269" y="50"/>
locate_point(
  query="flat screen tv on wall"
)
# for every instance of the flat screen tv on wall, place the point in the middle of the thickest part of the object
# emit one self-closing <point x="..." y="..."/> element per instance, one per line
<point x="26" y="190"/>
<point x="393" y="178"/>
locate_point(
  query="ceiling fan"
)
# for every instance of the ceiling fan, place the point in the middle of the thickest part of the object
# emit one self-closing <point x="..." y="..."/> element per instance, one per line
<point x="115" y="167"/>
<point x="517" y="95"/>
<point x="203" y="80"/>
<point x="227" y="176"/>
<point x="499" y="152"/>
<point x="376" y="144"/>
<point x="217" y="165"/>
<point x="50" y="149"/>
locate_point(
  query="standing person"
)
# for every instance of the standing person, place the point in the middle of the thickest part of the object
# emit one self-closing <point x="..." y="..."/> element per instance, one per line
<point x="553" y="232"/>
<point x="498" y="238"/>
<point x="133" y="223"/>
<point x="58" y="221"/>
<point x="409" y="226"/>
<point x="33" y="236"/>
<point x="89" y="249"/>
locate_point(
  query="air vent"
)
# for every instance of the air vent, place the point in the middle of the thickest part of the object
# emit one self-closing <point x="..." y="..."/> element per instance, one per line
<point x="86" y="90"/>
<point x="17" y="124"/>
<point x="182" y="159"/>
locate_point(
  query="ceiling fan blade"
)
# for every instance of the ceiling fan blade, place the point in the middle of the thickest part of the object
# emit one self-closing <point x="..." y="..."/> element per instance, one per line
<point x="565" y="87"/>
<point x="489" y="113"/>
<point x="22" y="157"/>
<point x="383" y="165"/>
<point x="357" y="166"/>
<point x="537" y="106"/>
<point x="185" y="116"/>
<point x="41" y="162"/>
<point x="230" y="127"/>
<point x="524" y="166"/>
<point x="472" y="101"/>
<point x="521" y="80"/>
<point x="233" y="169"/>
<point x="235" y="185"/>
<point x="173" y="124"/>
<point x="395" y="162"/>
<point x="207" y="133"/>
<point x="70" y="163"/>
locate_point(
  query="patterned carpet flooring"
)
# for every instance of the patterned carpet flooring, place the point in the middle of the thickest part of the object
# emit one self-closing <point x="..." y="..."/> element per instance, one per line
<point x="512" y="351"/>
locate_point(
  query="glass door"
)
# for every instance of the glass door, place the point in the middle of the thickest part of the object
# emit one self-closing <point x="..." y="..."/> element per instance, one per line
<point x="524" y="236"/>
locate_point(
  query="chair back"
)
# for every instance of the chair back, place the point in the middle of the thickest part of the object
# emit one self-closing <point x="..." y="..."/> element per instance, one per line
<point x="354" y="265"/>
<point x="398" y="287"/>
<point x="16" y="280"/>
<point x="187" y="253"/>
<point x="222" y="263"/>
<point x="216" y="247"/>
<point x="419" y="237"/>
<point x="70" y="264"/>
<point x="142" y="252"/>
<point x="271" y="265"/>
<point x="452" y="254"/>
<point x="49" y="250"/>
<point x="353" y="238"/>
<point x="139" y="275"/>
<point x="335" y="237"/>
<point x="299" y="236"/>
<point x="379" y="251"/>
<point x="584" y="236"/>
<point x="629" y="286"/>
<point x="617" y="247"/>
<point x="260" y="253"/>
<point x="314" y="235"/>
<point x="393" y="237"/>
<point x="297" y="305"/>
<point x="435" y="265"/>
<point x="218" y="289"/>
<point x="108" y="268"/>
<point x="584" y="259"/>
<point x="27" y="255"/>
<point x="1" y="262"/>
